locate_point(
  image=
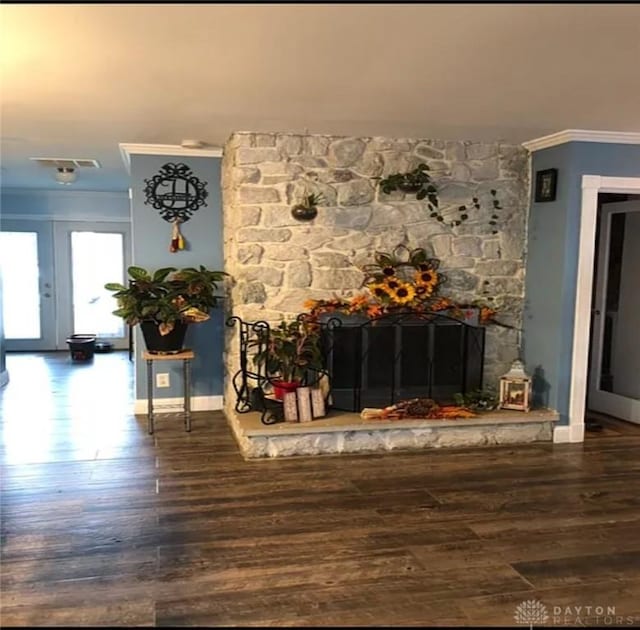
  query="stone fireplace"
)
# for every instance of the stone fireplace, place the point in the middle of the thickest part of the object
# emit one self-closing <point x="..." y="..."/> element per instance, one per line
<point x="279" y="262"/>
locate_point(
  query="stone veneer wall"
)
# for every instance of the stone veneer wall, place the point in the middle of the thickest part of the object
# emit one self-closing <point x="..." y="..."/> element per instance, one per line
<point x="277" y="262"/>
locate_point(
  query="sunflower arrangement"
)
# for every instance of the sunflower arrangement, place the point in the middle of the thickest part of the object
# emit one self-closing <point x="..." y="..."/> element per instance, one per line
<point x="402" y="280"/>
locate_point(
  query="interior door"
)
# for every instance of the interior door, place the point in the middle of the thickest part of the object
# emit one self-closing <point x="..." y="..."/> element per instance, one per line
<point x="88" y="255"/>
<point x="614" y="374"/>
<point x="26" y="263"/>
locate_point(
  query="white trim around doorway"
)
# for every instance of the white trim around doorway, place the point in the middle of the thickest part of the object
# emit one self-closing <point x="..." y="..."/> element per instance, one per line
<point x="591" y="186"/>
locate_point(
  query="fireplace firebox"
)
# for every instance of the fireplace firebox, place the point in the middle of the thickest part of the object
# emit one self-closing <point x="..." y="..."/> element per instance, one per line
<point x="377" y="362"/>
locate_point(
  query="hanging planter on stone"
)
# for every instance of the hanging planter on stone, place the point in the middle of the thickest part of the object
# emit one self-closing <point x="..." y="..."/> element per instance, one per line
<point x="307" y="209"/>
<point x="418" y="182"/>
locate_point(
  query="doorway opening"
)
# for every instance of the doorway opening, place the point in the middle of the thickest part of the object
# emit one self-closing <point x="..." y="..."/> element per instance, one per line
<point x="613" y="383"/>
<point x="592" y="186"/>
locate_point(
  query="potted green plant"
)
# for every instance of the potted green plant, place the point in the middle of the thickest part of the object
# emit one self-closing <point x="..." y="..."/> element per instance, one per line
<point x="287" y="353"/>
<point x="417" y="181"/>
<point x="164" y="302"/>
<point x="307" y="208"/>
<point x="478" y="400"/>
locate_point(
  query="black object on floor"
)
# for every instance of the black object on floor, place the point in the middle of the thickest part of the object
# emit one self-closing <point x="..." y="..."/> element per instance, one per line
<point x="592" y="425"/>
<point x="81" y="347"/>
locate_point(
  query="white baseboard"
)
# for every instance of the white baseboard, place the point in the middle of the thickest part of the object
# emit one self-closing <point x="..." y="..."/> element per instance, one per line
<point x="566" y="434"/>
<point x="176" y="405"/>
<point x="4" y="378"/>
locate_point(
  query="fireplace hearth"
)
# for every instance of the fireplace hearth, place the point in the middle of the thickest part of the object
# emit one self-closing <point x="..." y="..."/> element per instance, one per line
<point x="373" y="363"/>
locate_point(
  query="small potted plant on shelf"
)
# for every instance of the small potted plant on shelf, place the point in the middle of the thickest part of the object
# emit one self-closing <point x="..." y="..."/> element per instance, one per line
<point x="166" y="301"/>
<point x="287" y="353"/>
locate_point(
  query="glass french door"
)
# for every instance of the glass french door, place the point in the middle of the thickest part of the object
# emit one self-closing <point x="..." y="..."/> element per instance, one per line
<point x="53" y="277"/>
<point x="88" y="255"/>
<point x="28" y="285"/>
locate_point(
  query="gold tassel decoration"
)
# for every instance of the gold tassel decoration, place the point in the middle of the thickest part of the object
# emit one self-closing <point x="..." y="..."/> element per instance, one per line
<point x="177" y="240"/>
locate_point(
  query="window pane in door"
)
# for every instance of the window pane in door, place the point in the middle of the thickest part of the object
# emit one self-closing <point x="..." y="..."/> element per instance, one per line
<point x="20" y="285"/>
<point x="96" y="258"/>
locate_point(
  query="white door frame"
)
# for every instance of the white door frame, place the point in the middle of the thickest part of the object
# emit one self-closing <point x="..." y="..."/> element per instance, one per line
<point x="591" y="186"/>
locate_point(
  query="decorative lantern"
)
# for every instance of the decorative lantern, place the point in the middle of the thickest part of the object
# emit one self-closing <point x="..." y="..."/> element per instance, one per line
<point x="515" y="388"/>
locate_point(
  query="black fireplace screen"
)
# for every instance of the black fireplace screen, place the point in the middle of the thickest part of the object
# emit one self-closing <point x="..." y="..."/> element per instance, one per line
<point x="375" y="363"/>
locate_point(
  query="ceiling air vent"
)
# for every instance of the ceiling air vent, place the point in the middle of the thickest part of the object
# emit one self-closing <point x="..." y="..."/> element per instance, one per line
<point x="66" y="162"/>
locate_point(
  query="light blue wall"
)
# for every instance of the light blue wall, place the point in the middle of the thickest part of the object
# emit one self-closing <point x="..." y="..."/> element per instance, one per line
<point x="203" y="234"/>
<point x="552" y="262"/>
<point x="64" y="205"/>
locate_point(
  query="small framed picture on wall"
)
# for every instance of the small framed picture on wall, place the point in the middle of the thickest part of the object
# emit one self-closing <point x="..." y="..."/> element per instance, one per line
<point x="546" y="182"/>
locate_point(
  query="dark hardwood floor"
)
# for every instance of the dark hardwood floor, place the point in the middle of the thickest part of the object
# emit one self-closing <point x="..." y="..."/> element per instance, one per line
<point x="103" y="524"/>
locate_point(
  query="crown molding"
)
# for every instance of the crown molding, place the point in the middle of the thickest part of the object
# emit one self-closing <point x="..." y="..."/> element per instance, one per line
<point x="127" y="150"/>
<point x="582" y="135"/>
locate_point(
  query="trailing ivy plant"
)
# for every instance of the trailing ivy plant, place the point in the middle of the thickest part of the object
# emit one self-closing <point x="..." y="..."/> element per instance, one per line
<point x="464" y="212"/>
<point x="418" y="182"/>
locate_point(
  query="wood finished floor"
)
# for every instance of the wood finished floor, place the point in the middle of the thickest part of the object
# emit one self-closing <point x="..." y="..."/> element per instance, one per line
<point x="103" y="524"/>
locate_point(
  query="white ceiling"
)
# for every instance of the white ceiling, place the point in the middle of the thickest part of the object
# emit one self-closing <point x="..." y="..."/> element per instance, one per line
<point x="77" y="80"/>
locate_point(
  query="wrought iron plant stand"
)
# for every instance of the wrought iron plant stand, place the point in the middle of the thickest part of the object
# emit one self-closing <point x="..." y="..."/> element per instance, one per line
<point x="252" y="384"/>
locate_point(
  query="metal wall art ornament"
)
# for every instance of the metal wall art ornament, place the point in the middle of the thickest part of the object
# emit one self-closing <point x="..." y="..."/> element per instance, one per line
<point x="176" y="192"/>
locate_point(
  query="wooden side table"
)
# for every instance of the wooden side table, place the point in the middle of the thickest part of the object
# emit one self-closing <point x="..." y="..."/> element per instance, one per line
<point x="185" y="356"/>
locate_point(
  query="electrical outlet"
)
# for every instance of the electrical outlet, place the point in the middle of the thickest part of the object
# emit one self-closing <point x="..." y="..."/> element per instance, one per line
<point x="162" y="379"/>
